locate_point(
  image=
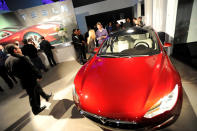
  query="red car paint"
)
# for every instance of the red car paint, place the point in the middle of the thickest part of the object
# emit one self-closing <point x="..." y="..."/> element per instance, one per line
<point x="126" y="88"/>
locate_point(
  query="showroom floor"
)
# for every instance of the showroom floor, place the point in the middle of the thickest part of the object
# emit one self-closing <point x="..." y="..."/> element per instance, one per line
<point x="61" y="114"/>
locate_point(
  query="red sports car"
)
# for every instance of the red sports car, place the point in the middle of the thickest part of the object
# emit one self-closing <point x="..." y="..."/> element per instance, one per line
<point x="17" y="34"/>
<point x="130" y="83"/>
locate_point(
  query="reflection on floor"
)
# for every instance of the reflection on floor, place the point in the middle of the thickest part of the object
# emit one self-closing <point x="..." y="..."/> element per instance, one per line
<point x="62" y="115"/>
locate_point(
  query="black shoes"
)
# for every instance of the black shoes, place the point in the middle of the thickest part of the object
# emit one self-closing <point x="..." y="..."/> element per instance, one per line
<point x="53" y="65"/>
<point x="84" y="61"/>
<point x="39" y="110"/>
<point x="81" y="63"/>
<point x="47" y="98"/>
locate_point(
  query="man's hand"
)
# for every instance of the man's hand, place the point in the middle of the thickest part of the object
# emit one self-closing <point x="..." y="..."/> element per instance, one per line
<point x="104" y="37"/>
<point x="38" y="80"/>
<point x="84" y="43"/>
<point x="100" y="38"/>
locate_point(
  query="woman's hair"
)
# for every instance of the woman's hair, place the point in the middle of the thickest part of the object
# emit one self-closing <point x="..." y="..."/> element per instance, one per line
<point x="92" y="35"/>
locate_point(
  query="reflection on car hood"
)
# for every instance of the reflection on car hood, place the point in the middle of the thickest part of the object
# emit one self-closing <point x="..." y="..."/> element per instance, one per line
<point x="124" y="88"/>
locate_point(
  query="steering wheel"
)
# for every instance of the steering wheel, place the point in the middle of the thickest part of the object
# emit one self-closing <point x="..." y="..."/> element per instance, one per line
<point x="141" y="44"/>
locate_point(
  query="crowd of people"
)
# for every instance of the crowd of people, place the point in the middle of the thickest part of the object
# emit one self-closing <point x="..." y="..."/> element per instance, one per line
<point x="94" y="37"/>
<point x="25" y="64"/>
<point x="114" y="26"/>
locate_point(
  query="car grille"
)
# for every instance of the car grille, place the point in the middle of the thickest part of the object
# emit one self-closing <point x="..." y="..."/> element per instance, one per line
<point x="111" y="123"/>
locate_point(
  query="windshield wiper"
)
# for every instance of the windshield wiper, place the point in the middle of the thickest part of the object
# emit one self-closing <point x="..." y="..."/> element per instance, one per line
<point x="125" y="55"/>
<point x="108" y="55"/>
<point x="114" y="56"/>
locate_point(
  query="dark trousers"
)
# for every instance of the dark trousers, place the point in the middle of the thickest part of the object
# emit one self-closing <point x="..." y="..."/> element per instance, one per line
<point x="83" y="51"/>
<point x="4" y="74"/>
<point x="38" y="63"/>
<point x="80" y="53"/>
<point x="34" y="93"/>
<point x="50" y="58"/>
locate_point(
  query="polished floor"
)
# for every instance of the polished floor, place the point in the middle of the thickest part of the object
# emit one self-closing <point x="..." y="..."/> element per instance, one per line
<point x="61" y="114"/>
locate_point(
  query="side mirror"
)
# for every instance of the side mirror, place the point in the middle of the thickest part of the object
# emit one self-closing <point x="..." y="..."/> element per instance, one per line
<point x="96" y="50"/>
<point x="167" y="44"/>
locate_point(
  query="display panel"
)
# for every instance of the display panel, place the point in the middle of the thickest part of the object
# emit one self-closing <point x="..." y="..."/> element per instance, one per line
<point x="53" y="21"/>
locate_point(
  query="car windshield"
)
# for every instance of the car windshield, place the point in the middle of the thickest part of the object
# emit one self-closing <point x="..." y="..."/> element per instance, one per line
<point x="130" y="43"/>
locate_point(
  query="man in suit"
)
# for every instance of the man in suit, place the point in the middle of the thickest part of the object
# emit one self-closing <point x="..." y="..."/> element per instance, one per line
<point x="21" y="67"/>
<point x="47" y="48"/>
<point x="31" y="51"/>
<point x="83" y="47"/>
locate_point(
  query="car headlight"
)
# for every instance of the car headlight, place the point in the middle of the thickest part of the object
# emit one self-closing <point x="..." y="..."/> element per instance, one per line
<point x="164" y="104"/>
<point x="75" y="95"/>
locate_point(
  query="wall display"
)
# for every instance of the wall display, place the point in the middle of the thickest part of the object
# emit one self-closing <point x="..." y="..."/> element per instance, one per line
<point x="53" y="21"/>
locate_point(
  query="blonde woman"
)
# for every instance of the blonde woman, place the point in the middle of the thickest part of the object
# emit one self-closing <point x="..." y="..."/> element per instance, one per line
<point x="91" y="41"/>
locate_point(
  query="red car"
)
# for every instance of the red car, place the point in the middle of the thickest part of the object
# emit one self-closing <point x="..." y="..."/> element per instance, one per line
<point x="130" y="83"/>
<point x="17" y="34"/>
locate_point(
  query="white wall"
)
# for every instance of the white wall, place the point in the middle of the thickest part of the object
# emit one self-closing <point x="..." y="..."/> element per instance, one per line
<point x="100" y="7"/>
<point x="139" y="13"/>
<point x="172" y="6"/>
<point x="171" y="13"/>
<point x="155" y="14"/>
<point x="192" y="34"/>
<point x="161" y="15"/>
<point x="148" y="5"/>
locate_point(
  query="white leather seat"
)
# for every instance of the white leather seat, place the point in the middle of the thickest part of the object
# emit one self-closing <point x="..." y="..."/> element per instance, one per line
<point x="123" y="45"/>
<point x="119" y="46"/>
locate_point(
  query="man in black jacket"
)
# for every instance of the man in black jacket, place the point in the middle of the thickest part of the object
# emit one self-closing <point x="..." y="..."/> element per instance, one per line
<point x="46" y="47"/>
<point x="31" y="51"/>
<point x="83" y="47"/>
<point x="78" y="46"/>
<point x="21" y="67"/>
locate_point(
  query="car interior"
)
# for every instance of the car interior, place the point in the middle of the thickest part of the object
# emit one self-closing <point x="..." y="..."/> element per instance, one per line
<point x="136" y="41"/>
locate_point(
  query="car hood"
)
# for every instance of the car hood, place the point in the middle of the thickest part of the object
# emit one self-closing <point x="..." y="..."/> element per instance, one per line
<point x="124" y="88"/>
